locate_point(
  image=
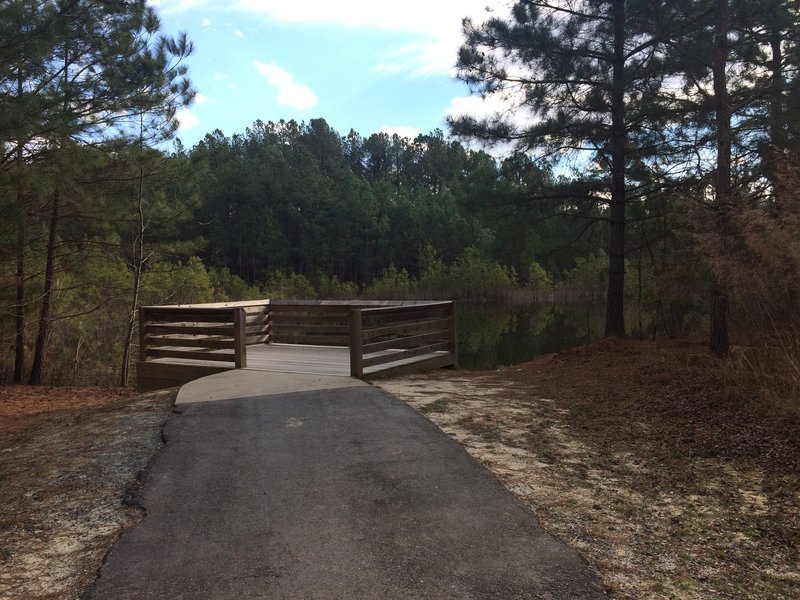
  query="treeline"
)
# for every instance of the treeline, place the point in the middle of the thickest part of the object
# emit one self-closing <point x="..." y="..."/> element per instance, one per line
<point x="303" y="199"/>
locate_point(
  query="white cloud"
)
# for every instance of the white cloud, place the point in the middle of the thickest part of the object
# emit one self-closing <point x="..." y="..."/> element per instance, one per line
<point x="437" y="22"/>
<point x="402" y="131"/>
<point x="475" y="106"/>
<point x="206" y="22"/>
<point x="186" y="119"/>
<point x="200" y="99"/>
<point x="290" y="93"/>
<point x="220" y="76"/>
<point x="420" y="16"/>
<point x="238" y="34"/>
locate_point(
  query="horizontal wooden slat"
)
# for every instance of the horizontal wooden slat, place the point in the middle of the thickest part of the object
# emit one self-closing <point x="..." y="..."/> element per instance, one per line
<point x="262" y="309"/>
<point x="257" y="319"/>
<point x="187" y="329"/>
<point x="407" y="328"/>
<point x="311" y="340"/>
<point x="216" y="316"/>
<point x="309" y="308"/>
<point x="297" y="329"/>
<point x="217" y="344"/>
<point x="396" y="321"/>
<point x="412" y="341"/>
<point x="210" y="305"/>
<point x="158" y="375"/>
<point x="395" y="356"/>
<point x="252" y="340"/>
<point x="295" y="319"/>
<point x="215" y="356"/>
<point x="416" y="366"/>
<point x="404" y="310"/>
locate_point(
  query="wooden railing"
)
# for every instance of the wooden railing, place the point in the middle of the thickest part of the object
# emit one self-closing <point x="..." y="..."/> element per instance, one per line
<point x="310" y="323"/>
<point x="391" y="334"/>
<point x="181" y="343"/>
<point x="209" y="332"/>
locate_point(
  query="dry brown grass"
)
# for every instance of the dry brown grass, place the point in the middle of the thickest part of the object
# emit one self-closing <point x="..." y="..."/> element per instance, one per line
<point x="68" y="457"/>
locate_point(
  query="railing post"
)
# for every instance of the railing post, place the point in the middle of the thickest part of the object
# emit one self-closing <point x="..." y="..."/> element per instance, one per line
<point x="239" y="338"/>
<point x="356" y="344"/>
<point x="454" y="332"/>
<point x="143" y="319"/>
<point x="268" y="328"/>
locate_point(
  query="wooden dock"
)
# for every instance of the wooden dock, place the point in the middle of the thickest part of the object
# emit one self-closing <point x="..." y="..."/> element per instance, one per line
<point x="360" y="339"/>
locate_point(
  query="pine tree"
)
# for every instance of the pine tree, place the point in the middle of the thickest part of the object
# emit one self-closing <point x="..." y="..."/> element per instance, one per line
<point x="582" y="79"/>
<point x="99" y="73"/>
<point x="736" y="70"/>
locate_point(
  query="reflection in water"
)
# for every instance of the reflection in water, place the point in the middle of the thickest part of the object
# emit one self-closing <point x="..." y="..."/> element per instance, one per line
<point x="491" y="336"/>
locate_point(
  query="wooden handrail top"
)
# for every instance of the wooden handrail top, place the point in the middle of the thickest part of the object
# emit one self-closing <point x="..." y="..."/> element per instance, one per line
<point x="408" y="308"/>
<point x="213" y="305"/>
<point x="368" y="305"/>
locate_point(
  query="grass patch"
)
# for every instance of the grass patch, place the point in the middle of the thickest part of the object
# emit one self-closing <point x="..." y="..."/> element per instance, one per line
<point x="437" y="406"/>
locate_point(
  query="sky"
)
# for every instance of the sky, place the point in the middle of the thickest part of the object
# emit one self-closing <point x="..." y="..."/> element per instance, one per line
<point x="367" y="65"/>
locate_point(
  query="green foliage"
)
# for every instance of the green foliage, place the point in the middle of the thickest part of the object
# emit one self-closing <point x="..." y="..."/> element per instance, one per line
<point x="588" y="275"/>
<point x="473" y="276"/>
<point x="177" y="283"/>
<point x="283" y="286"/>
<point x="538" y="279"/>
<point x="434" y="274"/>
<point x="229" y="287"/>
<point x="330" y="288"/>
<point x="391" y="284"/>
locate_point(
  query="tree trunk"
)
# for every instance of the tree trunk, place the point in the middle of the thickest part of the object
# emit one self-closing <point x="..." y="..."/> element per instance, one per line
<point x="719" y="293"/>
<point x="777" y="119"/>
<point x="19" y="307"/>
<point x="49" y="278"/>
<point x="138" y="266"/>
<point x="615" y="317"/>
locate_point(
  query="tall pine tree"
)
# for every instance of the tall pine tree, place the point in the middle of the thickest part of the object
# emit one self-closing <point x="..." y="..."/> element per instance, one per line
<point x="582" y="80"/>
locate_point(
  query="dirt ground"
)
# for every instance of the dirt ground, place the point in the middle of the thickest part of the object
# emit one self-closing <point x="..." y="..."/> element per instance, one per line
<point x="644" y="457"/>
<point x="654" y="460"/>
<point x="69" y="457"/>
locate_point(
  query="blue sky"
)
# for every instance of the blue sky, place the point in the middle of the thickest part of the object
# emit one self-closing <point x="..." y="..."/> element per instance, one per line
<point x="369" y="65"/>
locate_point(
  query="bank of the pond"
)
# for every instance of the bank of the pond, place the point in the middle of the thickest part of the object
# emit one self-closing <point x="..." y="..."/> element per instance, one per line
<point x="658" y="462"/>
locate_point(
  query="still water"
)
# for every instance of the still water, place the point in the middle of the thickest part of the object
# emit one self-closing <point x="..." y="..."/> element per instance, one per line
<point x="493" y="336"/>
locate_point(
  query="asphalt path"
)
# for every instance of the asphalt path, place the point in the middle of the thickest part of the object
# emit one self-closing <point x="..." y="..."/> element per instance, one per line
<point x="329" y="494"/>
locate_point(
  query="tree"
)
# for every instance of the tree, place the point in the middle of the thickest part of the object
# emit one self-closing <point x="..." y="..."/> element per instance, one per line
<point x="731" y="109"/>
<point x="724" y="183"/>
<point x="160" y="73"/>
<point x="26" y="31"/>
<point x="581" y="79"/>
<point x="93" y="79"/>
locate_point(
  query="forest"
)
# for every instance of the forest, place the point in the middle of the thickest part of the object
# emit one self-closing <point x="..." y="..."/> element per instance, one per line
<point x="651" y="160"/>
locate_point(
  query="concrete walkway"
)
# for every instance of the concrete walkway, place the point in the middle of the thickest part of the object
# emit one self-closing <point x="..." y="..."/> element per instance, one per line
<point x="330" y="493"/>
<point x="247" y="383"/>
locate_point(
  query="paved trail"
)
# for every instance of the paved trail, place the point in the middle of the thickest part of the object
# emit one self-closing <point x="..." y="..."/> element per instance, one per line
<point x="330" y="494"/>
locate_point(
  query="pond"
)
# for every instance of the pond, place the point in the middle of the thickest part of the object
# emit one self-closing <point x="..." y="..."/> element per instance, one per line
<point x="492" y="336"/>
